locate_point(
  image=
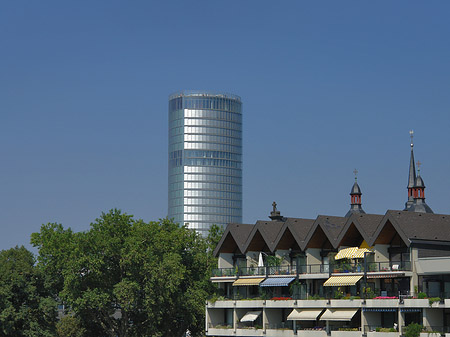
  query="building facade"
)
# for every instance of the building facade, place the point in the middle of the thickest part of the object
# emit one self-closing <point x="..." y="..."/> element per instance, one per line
<point x="359" y="275"/>
<point x="205" y="159"/>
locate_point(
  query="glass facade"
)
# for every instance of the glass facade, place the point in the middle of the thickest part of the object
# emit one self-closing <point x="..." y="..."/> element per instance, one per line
<point x="205" y="159"/>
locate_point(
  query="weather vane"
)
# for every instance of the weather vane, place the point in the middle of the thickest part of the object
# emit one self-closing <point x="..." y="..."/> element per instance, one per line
<point x="411" y="134"/>
<point x="355" y="171"/>
<point x="418" y="166"/>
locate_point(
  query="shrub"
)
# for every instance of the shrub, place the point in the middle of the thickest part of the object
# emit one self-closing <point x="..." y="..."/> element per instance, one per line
<point x="421" y="295"/>
<point x="413" y="330"/>
<point x="431" y="300"/>
<point x="385" y="330"/>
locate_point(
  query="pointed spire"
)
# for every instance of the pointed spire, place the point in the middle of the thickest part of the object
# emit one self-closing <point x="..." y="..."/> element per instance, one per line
<point x="419" y="205"/>
<point x="355" y="197"/>
<point x="412" y="174"/>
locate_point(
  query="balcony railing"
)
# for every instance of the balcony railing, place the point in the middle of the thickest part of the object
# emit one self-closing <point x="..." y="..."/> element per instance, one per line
<point x="221" y="272"/>
<point x="219" y="326"/>
<point x="379" y="328"/>
<point x="355" y="267"/>
<point x="280" y="326"/>
<point x="351" y="267"/>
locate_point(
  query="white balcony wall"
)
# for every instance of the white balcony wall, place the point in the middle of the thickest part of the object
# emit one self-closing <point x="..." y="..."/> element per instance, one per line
<point x="279" y="333"/>
<point x="311" y="333"/>
<point x="382" y="334"/>
<point x="249" y="332"/>
<point x="280" y="304"/>
<point x="382" y="303"/>
<point x="346" y="334"/>
<point x="256" y="304"/>
<point x="225" y="260"/>
<point x="219" y="332"/>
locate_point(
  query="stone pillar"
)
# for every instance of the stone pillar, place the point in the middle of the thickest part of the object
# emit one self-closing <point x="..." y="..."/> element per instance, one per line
<point x="264" y="319"/>
<point x="235" y="319"/>
<point x="401" y="321"/>
<point x="414" y="278"/>
<point x="363" y="321"/>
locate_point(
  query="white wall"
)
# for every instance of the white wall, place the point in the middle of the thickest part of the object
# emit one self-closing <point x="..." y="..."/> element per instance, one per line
<point x="381" y="253"/>
<point x="313" y="256"/>
<point x="225" y="260"/>
<point x="433" y="317"/>
<point x="284" y="255"/>
<point x="273" y="316"/>
<point x="252" y="258"/>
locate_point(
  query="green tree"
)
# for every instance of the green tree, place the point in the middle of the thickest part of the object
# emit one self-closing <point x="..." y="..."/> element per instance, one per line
<point x="26" y="307"/>
<point x="70" y="326"/>
<point x="124" y="277"/>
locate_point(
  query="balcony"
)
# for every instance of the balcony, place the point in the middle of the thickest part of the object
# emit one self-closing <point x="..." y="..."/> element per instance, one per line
<point x="356" y="267"/>
<point x="311" y="269"/>
<point x="284" y="329"/>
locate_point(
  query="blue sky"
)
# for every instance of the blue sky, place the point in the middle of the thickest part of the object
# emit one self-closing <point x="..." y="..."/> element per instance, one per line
<point x="327" y="86"/>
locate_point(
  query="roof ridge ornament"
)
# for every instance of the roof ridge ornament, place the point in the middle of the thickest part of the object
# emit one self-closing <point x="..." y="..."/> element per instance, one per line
<point x="275" y="215"/>
<point x="411" y="135"/>
<point x="355" y="171"/>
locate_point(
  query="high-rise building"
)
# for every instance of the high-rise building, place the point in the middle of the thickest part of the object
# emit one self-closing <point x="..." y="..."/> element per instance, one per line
<point x="205" y="159"/>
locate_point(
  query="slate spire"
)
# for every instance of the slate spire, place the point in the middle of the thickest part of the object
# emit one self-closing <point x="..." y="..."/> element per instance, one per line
<point x="419" y="205"/>
<point x="355" y="198"/>
<point x="411" y="176"/>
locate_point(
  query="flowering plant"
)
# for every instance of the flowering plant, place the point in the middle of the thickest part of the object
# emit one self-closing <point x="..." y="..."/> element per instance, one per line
<point x="281" y="298"/>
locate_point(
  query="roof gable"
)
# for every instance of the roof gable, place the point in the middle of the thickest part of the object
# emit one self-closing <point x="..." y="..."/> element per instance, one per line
<point x="266" y="231"/>
<point x="293" y="233"/>
<point x="234" y="237"/>
<point x="330" y="226"/>
<point x="422" y="226"/>
<point x="359" y="227"/>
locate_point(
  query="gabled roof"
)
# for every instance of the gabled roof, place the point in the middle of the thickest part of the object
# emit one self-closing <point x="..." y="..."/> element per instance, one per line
<point x="265" y="230"/>
<point x="331" y="226"/>
<point x="234" y="237"/>
<point x="422" y="226"/>
<point x="297" y="228"/>
<point x="365" y="224"/>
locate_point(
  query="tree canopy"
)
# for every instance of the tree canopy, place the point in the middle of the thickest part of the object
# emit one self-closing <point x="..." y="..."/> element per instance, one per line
<point x="124" y="277"/>
<point x="26" y="306"/>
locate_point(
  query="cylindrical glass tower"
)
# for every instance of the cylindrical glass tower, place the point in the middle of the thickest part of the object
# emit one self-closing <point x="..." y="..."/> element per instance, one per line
<point x="205" y="159"/>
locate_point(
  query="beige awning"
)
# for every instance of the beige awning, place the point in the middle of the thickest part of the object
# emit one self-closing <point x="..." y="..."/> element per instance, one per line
<point x="248" y="281"/>
<point x="338" y="314"/>
<point x="351" y="253"/>
<point x="251" y="316"/>
<point x="338" y="281"/>
<point x="304" y="314"/>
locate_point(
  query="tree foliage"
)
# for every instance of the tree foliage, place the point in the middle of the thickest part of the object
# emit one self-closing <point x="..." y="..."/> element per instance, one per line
<point x="70" y="326"/>
<point x="124" y="277"/>
<point x="26" y="307"/>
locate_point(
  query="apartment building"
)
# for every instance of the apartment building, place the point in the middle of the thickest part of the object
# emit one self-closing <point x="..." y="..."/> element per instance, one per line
<point x="359" y="275"/>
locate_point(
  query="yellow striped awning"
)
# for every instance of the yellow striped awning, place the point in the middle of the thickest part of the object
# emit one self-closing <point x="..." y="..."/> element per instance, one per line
<point x="351" y="253"/>
<point x="338" y="281"/>
<point x="248" y="281"/>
